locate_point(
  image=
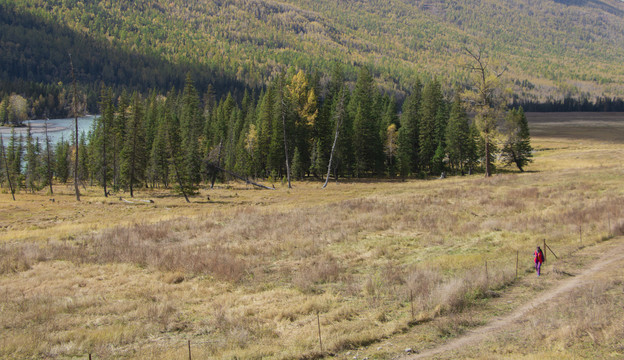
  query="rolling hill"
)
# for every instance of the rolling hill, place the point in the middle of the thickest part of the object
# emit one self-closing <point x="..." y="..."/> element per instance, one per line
<point x="552" y="48"/>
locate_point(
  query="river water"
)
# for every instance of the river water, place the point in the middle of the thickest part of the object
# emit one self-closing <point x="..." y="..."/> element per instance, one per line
<point x="57" y="129"/>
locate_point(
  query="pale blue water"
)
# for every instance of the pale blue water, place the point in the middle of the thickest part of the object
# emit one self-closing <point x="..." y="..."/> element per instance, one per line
<point x="57" y="129"/>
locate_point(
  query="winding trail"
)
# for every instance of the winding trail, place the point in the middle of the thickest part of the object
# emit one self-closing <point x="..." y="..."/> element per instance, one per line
<point x="479" y="334"/>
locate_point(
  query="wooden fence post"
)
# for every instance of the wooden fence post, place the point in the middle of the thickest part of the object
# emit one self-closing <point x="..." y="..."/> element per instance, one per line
<point x="318" y="321"/>
<point x="552" y="252"/>
<point x="189" y="348"/>
<point x="544" y="251"/>
<point x="89" y="356"/>
<point x="581" y="235"/>
<point x="412" y="303"/>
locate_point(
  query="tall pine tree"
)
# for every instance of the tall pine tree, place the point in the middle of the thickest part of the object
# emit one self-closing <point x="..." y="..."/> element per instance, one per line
<point x="517" y="147"/>
<point x="369" y="154"/>
<point x="458" y="135"/>
<point x="408" y="137"/>
<point x="429" y="123"/>
<point x="133" y="154"/>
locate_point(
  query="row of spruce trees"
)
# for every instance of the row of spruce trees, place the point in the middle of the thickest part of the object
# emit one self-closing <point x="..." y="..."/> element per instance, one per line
<point x="176" y="139"/>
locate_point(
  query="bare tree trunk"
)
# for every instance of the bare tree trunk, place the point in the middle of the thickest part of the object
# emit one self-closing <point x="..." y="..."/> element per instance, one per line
<point x="175" y="168"/>
<point x="246" y="180"/>
<point x="104" y="160"/>
<point x="331" y="156"/>
<point x="339" y="117"/>
<point x="488" y="173"/>
<point x="115" y="151"/>
<point x="285" y="140"/>
<point x="214" y="175"/>
<point x="133" y="163"/>
<point x="47" y="139"/>
<point x="76" y="125"/>
<point x="6" y="164"/>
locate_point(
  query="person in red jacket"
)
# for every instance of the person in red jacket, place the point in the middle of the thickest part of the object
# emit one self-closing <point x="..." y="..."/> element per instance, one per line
<point x="539" y="259"/>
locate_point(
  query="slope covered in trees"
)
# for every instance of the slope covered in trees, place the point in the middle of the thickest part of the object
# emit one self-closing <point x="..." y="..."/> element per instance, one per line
<point x="552" y="48"/>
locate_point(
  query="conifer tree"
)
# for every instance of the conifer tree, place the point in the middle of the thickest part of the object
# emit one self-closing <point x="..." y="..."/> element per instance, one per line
<point x="118" y="135"/>
<point x="428" y="131"/>
<point x="221" y="128"/>
<point x="151" y="120"/>
<point x="284" y="120"/>
<point x="48" y="160"/>
<point x="159" y="158"/>
<point x="7" y="171"/>
<point x="276" y="156"/>
<point x="298" y="167"/>
<point x="458" y="135"/>
<point x="437" y="161"/>
<point x="339" y="150"/>
<point x="103" y="139"/>
<point x="32" y="162"/>
<point x="441" y="121"/>
<point x="235" y="126"/>
<point x="474" y="149"/>
<point x="83" y="158"/>
<point x="4" y="111"/>
<point x="368" y="157"/>
<point x="265" y="128"/>
<point x="14" y="154"/>
<point x="517" y="147"/>
<point x="322" y="131"/>
<point x="175" y="153"/>
<point x="191" y="126"/>
<point x="133" y="154"/>
<point x="244" y="160"/>
<point x="408" y="137"/>
<point x="62" y="163"/>
<point x="342" y="120"/>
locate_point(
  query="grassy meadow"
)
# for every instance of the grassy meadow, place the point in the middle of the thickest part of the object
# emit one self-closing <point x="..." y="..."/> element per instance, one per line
<point x="380" y="265"/>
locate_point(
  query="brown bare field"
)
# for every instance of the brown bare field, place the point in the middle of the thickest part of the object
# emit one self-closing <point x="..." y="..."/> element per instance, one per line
<point x="246" y="272"/>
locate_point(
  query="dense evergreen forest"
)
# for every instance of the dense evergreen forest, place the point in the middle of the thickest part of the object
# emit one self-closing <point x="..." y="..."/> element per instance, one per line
<point x="34" y="64"/>
<point x="293" y="128"/>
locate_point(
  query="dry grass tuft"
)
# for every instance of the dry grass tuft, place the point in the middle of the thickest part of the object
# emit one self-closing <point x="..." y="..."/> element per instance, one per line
<point x="325" y="269"/>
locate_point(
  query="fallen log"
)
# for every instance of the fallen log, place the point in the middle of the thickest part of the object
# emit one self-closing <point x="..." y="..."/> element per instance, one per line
<point x="242" y="178"/>
<point x="126" y="201"/>
<point x="135" y="200"/>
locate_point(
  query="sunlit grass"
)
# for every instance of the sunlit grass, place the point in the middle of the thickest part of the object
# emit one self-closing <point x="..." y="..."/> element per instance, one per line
<point x="246" y="272"/>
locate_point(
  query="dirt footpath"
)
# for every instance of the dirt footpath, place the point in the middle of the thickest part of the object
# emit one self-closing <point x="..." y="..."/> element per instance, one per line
<point x="477" y="335"/>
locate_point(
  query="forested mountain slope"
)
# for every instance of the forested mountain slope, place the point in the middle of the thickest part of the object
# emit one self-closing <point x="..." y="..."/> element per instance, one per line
<point x="561" y="47"/>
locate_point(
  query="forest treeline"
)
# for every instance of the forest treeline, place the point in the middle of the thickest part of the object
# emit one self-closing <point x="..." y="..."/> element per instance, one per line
<point x="572" y="104"/>
<point x="180" y="139"/>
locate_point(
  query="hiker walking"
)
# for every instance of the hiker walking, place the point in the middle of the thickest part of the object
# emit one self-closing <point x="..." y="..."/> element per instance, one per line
<point x="539" y="259"/>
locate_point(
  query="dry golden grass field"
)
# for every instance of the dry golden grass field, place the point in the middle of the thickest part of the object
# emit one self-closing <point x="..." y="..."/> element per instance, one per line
<point x="379" y="266"/>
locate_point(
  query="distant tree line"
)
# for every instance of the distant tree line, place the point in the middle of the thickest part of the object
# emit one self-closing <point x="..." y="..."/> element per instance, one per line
<point x="568" y="104"/>
<point x="178" y="140"/>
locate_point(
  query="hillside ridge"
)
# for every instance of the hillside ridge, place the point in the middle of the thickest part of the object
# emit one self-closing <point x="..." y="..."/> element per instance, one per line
<point x="553" y="48"/>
